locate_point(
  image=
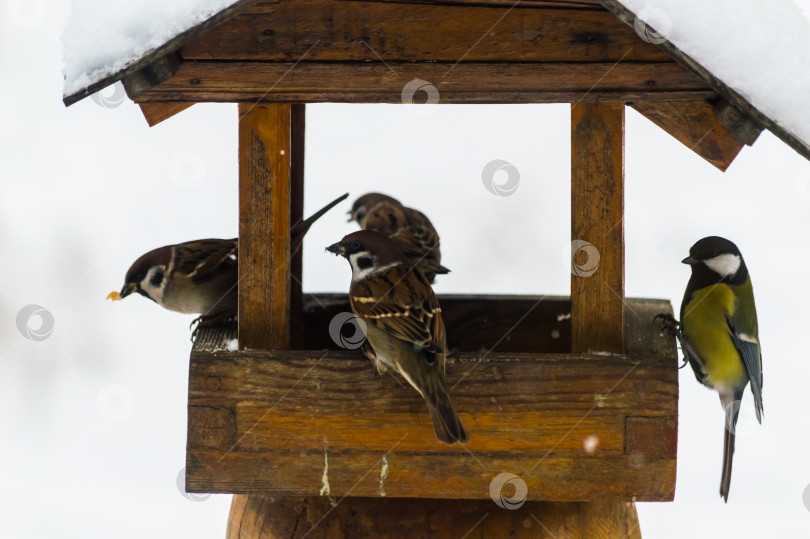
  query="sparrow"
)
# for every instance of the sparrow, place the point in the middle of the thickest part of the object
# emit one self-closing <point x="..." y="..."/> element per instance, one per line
<point x="409" y="229"/>
<point x="402" y="322"/>
<point x="199" y="276"/>
<point x="718" y="333"/>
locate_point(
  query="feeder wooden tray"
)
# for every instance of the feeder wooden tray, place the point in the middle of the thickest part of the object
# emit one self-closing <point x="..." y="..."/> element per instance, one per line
<point x="574" y="427"/>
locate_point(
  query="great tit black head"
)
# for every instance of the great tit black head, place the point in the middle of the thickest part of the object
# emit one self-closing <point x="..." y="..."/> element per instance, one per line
<point x="716" y="255"/>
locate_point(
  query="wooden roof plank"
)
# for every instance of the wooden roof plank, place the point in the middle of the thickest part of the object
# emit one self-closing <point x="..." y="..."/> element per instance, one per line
<point x="158" y="112"/>
<point x="733" y="97"/>
<point x="466" y="82"/>
<point x="697" y="126"/>
<point x="324" y="30"/>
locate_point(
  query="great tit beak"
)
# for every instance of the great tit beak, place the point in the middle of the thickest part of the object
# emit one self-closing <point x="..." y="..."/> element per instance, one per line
<point x="337" y="249"/>
<point x="689" y="260"/>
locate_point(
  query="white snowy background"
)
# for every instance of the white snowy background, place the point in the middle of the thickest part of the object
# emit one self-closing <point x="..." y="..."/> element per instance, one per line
<point x="94" y="416"/>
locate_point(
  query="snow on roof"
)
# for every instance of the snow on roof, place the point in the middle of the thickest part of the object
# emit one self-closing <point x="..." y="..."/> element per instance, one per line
<point x="759" y="49"/>
<point x="104" y="36"/>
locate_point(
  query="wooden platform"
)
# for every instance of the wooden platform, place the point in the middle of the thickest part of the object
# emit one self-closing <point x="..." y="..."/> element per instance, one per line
<point x="292" y="422"/>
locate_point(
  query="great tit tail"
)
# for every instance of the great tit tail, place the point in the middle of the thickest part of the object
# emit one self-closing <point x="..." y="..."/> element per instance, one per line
<point x="731" y="405"/>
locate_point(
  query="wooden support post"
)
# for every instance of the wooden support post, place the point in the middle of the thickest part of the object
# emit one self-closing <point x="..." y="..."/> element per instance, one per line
<point x="264" y="226"/>
<point x="264" y="242"/>
<point x="597" y="262"/>
<point x="597" y="227"/>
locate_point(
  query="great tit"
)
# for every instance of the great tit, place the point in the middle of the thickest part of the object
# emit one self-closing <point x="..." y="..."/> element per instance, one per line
<point x="718" y="333"/>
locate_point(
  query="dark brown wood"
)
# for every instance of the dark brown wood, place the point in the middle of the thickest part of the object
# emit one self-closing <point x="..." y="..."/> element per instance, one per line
<point x="742" y="125"/>
<point x="297" y="143"/>
<point x="353" y="518"/>
<point x="473" y="323"/>
<point x="597" y="227"/>
<point x="467" y="82"/>
<point x="264" y="226"/>
<point x="272" y="418"/>
<point x="329" y="31"/>
<point x="697" y="126"/>
<point x="157" y="112"/>
<point x="161" y="69"/>
<point x="577" y="4"/>
<point x="731" y="95"/>
<point x="155" y="55"/>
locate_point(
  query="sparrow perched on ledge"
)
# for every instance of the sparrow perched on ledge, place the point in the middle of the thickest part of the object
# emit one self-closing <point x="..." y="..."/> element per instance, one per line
<point x="403" y="322"/>
<point x="409" y="229"/>
<point x="199" y="276"/>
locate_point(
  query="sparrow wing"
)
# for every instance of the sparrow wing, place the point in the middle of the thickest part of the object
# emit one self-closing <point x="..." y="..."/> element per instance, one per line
<point x="752" y="359"/>
<point x="202" y="260"/>
<point x="401" y="303"/>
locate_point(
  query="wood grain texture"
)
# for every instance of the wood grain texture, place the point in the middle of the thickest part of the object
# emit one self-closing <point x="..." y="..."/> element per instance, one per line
<point x="696" y="125"/>
<point x="725" y="91"/>
<point x="265" y="421"/>
<point x="597" y="227"/>
<point x="265" y="140"/>
<point x="402" y="32"/>
<point x="467" y="82"/>
<point x="264" y="226"/>
<point x="157" y="112"/>
<point x="361" y="518"/>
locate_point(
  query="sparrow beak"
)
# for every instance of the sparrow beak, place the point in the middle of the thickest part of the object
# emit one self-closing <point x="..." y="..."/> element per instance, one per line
<point x="128" y="289"/>
<point x="337" y="249"/>
<point x="689" y="260"/>
<point x="351" y="216"/>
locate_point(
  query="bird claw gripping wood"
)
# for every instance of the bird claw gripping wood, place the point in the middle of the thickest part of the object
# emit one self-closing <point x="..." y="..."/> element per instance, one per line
<point x="207" y="321"/>
<point x="671" y="327"/>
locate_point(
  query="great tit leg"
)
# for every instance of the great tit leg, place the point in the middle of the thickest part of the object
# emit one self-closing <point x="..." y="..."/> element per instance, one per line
<point x="671" y="325"/>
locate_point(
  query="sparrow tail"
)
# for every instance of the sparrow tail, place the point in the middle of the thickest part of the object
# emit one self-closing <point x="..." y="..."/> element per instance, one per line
<point x="445" y="419"/>
<point x="300" y="229"/>
<point x="732" y="407"/>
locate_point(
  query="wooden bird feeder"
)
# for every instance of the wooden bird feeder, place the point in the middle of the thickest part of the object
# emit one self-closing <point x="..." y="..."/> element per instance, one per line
<point x="577" y="397"/>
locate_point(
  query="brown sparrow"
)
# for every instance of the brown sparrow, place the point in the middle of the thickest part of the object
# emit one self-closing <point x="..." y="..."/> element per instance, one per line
<point x="403" y="322"/>
<point x="409" y="229"/>
<point x="199" y="276"/>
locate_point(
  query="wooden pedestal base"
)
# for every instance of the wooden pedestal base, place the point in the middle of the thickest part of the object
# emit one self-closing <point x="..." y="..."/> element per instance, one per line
<point x="261" y="517"/>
